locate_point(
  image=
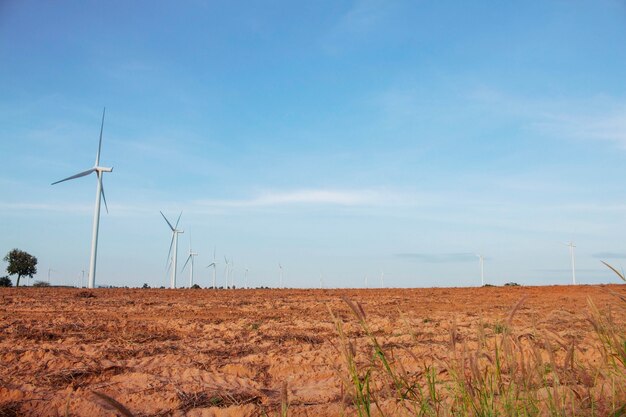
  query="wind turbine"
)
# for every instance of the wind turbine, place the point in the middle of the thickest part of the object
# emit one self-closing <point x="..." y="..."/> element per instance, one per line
<point x="382" y="279"/>
<point x="174" y="243"/>
<point x="232" y="273"/>
<point x="280" y="267"/>
<point x="245" y="278"/>
<point x="214" y="265"/>
<point x="571" y="251"/>
<point x="50" y="270"/>
<point x="190" y="257"/>
<point x="226" y="270"/>
<point x="96" y="214"/>
<point x="366" y="286"/>
<point x="481" y="259"/>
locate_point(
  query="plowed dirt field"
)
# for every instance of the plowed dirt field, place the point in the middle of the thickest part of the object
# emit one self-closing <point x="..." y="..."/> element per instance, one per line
<point x="248" y="352"/>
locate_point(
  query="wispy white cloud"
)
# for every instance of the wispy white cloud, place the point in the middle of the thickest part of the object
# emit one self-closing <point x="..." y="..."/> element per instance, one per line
<point x="49" y="207"/>
<point x="317" y="197"/>
<point x="364" y="18"/>
<point x="607" y="125"/>
<point x="438" y="257"/>
<point x="601" y="117"/>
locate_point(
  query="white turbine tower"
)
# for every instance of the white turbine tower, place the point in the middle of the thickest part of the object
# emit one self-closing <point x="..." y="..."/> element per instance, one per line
<point x="280" y="267"/>
<point x="232" y="273"/>
<point x="245" y="278"/>
<point x="214" y="265"/>
<point x="481" y="259"/>
<point x="96" y="215"/>
<point x="226" y="270"/>
<point x="174" y="243"/>
<point x="190" y="257"/>
<point x="382" y="279"/>
<point x="571" y="251"/>
<point x="49" y="271"/>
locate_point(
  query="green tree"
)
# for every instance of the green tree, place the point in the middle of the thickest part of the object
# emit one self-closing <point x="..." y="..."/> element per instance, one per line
<point x="21" y="263"/>
<point x="5" y="282"/>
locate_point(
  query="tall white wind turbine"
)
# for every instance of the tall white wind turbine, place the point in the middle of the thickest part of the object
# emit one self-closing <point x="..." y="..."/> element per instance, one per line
<point x="174" y="243"/>
<point x="232" y="273"/>
<point x="226" y="270"/>
<point x="96" y="214"/>
<point x="481" y="259"/>
<point x="382" y="279"/>
<point x="192" y="254"/>
<point x="214" y="265"/>
<point x="571" y="252"/>
<point x="280" y="267"/>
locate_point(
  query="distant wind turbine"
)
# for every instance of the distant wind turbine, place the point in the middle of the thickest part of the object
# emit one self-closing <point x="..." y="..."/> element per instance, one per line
<point x="99" y="196"/>
<point x="382" y="279"/>
<point x="280" y="267"/>
<point x="245" y="278"/>
<point x="481" y="259"/>
<point x="214" y="265"/>
<point x="571" y="251"/>
<point x="174" y="243"/>
<point x="226" y="270"/>
<point x="232" y="273"/>
<point x="50" y="270"/>
<point x="192" y="254"/>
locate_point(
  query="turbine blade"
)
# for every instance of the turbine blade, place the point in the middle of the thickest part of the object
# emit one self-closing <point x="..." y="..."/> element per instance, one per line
<point x="171" y="244"/>
<point x="168" y="222"/>
<point x="213" y="253"/>
<point x="103" y="197"/>
<point x="181" y="213"/>
<point x="186" y="262"/>
<point x="100" y="142"/>
<point x="80" y="174"/>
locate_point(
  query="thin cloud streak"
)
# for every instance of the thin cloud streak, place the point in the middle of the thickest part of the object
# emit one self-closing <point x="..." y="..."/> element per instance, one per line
<point x="437" y="258"/>
<point x="315" y="197"/>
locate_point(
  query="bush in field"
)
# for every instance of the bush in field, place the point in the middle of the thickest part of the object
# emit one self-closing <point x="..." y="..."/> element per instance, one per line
<point x="21" y="263"/>
<point x="5" y="282"/>
<point x="41" y="284"/>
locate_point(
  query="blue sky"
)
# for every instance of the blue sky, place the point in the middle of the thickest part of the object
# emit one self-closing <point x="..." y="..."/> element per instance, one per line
<point x="337" y="138"/>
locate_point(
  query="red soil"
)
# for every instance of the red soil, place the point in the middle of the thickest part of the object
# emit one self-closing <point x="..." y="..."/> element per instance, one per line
<point x="232" y="352"/>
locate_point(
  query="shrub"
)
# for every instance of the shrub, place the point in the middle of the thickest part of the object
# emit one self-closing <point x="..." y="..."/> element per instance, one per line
<point x="5" y="282"/>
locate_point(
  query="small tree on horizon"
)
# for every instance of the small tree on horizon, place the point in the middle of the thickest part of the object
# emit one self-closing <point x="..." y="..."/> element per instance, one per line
<point x="21" y="263"/>
<point x="5" y="282"/>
